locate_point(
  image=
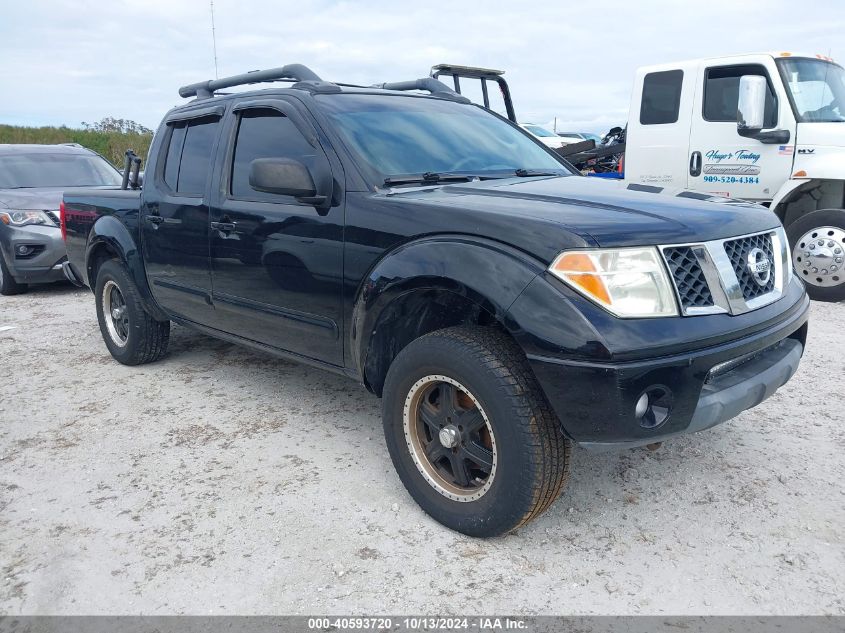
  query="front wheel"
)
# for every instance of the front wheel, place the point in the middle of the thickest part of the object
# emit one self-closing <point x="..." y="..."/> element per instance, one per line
<point x="817" y="240"/>
<point x="132" y="336"/>
<point x="470" y="432"/>
<point x="8" y="285"/>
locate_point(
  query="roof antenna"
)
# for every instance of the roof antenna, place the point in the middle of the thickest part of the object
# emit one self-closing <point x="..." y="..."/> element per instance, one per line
<point x="214" y="41"/>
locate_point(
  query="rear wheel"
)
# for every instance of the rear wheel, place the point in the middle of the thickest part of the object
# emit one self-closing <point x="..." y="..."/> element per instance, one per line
<point x="470" y="433"/>
<point x="8" y="285"/>
<point x="132" y="336"/>
<point x="818" y="253"/>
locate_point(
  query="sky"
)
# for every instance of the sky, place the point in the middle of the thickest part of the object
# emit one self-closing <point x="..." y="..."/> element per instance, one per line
<point x="65" y="62"/>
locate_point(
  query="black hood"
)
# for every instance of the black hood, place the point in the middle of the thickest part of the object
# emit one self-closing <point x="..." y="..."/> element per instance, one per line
<point x="600" y="212"/>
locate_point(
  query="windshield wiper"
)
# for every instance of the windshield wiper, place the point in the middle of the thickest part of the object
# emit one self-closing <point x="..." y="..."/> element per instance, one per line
<point x="526" y="173"/>
<point x="429" y="177"/>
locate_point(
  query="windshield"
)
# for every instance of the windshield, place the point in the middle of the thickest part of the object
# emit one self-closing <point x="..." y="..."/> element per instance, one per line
<point x="18" y="171"/>
<point x="536" y="130"/>
<point x="817" y="89"/>
<point x="399" y="135"/>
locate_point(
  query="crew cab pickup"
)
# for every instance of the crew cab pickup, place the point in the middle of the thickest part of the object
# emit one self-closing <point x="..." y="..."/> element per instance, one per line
<point x="501" y="305"/>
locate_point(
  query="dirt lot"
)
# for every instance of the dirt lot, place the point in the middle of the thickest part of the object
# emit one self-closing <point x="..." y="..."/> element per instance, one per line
<point x="222" y="481"/>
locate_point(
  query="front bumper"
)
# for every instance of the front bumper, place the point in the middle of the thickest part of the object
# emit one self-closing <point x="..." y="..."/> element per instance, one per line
<point x="45" y="264"/>
<point x="596" y="401"/>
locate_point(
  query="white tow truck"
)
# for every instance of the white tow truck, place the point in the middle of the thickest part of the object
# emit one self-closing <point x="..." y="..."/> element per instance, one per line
<point x="764" y="127"/>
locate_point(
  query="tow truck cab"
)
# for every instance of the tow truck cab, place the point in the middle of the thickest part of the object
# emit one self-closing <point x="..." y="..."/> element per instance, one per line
<point x="769" y="128"/>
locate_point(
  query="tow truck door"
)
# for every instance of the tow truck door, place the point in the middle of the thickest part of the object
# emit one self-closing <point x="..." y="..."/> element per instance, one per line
<point x="720" y="160"/>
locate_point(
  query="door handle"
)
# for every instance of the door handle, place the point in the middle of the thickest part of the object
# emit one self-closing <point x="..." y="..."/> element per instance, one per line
<point x="695" y="164"/>
<point x="154" y="219"/>
<point x="224" y="227"/>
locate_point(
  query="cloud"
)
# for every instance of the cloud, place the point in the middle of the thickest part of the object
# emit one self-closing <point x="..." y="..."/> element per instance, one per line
<point x="65" y="62"/>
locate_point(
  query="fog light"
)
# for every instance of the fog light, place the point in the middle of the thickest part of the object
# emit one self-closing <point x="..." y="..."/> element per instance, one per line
<point x="24" y="250"/>
<point x="641" y="406"/>
<point x="653" y="407"/>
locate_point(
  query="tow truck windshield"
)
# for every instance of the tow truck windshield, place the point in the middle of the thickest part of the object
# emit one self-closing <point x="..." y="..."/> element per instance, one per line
<point x="816" y="87"/>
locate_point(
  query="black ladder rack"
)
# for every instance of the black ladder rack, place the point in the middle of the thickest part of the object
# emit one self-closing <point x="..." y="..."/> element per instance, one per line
<point x="429" y="84"/>
<point x="294" y="72"/>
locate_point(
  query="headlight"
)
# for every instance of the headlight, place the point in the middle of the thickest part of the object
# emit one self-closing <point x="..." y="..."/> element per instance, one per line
<point x="25" y="218"/>
<point x="629" y="282"/>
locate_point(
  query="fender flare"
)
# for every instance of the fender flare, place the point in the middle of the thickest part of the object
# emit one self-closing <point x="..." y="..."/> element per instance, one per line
<point x="110" y="234"/>
<point x="488" y="273"/>
<point x="785" y="193"/>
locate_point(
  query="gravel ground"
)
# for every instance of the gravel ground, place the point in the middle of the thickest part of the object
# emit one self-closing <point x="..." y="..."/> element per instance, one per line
<point x="223" y="481"/>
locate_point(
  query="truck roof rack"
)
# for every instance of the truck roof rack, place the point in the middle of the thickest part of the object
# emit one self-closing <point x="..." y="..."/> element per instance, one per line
<point x="457" y="71"/>
<point x="429" y="84"/>
<point x="292" y="72"/>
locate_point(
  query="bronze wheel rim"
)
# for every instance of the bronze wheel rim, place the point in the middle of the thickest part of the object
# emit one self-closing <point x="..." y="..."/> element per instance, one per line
<point x="450" y="438"/>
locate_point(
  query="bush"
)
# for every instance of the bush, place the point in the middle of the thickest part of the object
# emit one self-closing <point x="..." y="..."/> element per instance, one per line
<point x="110" y="137"/>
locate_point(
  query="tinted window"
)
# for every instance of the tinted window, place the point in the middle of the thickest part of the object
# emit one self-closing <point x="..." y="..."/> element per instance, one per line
<point x="55" y="170"/>
<point x="265" y="134"/>
<point x="661" y="97"/>
<point x="196" y="156"/>
<point x="174" y="153"/>
<point x="721" y="93"/>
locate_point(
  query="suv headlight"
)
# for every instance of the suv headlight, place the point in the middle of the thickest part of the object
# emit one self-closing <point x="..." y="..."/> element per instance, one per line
<point x="629" y="282"/>
<point x="25" y="218"/>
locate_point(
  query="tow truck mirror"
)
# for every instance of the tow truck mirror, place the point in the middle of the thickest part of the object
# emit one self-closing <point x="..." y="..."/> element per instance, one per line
<point x="284" y="176"/>
<point x="751" y="106"/>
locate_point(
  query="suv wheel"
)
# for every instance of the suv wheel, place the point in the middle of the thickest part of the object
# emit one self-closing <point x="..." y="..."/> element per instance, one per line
<point x="8" y="285"/>
<point x="470" y="433"/>
<point x="131" y="334"/>
<point x="818" y="253"/>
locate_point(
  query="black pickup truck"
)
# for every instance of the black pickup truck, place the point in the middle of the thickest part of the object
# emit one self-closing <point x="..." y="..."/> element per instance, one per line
<point x="502" y="306"/>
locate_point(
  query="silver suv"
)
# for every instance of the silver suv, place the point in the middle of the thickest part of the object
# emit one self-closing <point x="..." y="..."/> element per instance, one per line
<point x="32" y="178"/>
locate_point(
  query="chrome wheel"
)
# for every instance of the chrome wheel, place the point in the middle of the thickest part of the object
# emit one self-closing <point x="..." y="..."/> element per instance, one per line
<point x="818" y="256"/>
<point x="450" y="438"/>
<point x="115" y="313"/>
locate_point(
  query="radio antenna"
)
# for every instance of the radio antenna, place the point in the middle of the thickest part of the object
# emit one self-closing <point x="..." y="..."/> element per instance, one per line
<point x="214" y="41"/>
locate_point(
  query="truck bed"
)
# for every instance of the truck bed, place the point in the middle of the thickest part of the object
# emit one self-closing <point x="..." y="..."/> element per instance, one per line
<point x="83" y="208"/>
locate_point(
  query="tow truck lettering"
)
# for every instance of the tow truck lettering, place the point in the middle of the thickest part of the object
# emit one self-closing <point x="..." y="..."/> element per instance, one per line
<point x="741" y="154"/>
<point x="736" y="170"/>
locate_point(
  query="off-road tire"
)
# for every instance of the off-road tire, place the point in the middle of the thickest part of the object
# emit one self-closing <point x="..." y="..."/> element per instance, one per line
<point x="146" y="339"/>
<point x="834" y="220"/>
<point x="533" y="454"/>
<point x="8" y="285"/>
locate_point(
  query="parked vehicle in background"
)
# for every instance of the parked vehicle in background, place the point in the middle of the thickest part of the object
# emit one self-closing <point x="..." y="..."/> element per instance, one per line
<point x="500" y="304"/>
<point x="546" y="137"/>
<point x="32" y="178"/>
<point x="575" y="137"/>
<point x="763" y="127"/>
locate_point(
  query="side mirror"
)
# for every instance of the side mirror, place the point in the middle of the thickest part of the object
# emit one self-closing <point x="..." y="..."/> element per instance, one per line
<point x="751" y="105"/>
<point x="284" y="176"/>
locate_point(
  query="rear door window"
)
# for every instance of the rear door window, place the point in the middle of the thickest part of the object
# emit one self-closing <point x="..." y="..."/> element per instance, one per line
<point x="188" y="160"/>
<point x="661" y="99"/>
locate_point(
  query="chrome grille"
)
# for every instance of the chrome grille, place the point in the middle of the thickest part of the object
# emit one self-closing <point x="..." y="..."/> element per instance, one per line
<point x="738" y="252"/>
<point x="693" y="291"/>
<point x="719" y="276"/>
